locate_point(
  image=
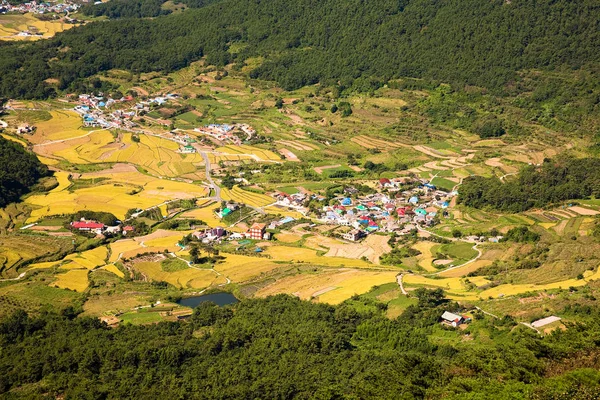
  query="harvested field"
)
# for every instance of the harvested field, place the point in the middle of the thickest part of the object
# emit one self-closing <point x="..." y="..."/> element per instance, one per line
<point x="288" y="155"/>
<point x="583" y="211"/>
<point x="372" y="248"/>
<point x="298" y="145"/>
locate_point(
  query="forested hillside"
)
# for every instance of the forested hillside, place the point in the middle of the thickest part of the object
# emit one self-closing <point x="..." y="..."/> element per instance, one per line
<point x="307" y="41"/>
<point x="281" y="347"/>
<point x="19" y="171"/>
<point x="551" y="183"/>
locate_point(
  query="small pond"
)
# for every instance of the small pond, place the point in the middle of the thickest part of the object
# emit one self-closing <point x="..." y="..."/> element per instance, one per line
<point x="220" y="299"/>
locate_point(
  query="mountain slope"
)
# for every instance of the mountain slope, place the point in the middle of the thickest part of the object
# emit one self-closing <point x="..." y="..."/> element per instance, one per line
<point x="306" y="41"/>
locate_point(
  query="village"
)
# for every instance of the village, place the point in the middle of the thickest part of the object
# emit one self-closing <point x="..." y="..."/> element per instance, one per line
<point x="99" y="111"/>
<point x="39" y="7"/>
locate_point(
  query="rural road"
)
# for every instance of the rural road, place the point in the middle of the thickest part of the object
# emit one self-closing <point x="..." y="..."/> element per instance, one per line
<point x="479" y="253"/>
<point x="21" y="276"/>
<point x="399" y="280"/>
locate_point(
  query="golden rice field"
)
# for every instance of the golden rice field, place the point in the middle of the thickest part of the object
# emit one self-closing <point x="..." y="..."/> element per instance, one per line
<point x="74" y="279"/>
<point x="156" y="155"/>
<point x="113" y="268"/>
<point x="205" y="213"/>
<point x="88" y="259"/>
<point x="425" y="259"/>
<point x="63" y="125"/>
<point x="329" y="286"/>
<point x="11" y="25"/>
<point x="457" y="289"/>
<point x="122" y="192"/>
<point x="265" y="155"/>
<point x="188" y="278"/>
<point x="121" y="246"/>
<point x="309" y="256"/>
<point x="242" y="196"/>
<point x="14" y="139"/>
<point x="241" y="268"/>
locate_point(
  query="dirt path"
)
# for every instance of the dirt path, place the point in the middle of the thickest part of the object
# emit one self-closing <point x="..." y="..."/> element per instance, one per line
<point x="399" y="280"/>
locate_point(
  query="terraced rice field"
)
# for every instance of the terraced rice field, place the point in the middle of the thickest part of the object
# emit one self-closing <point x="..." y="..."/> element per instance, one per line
<point x="188" y="278"/>
<point x="329" y="286"/>
<point x="245" y="197"/>
<point x="74" y="279"/>
<point x="309" y="256"/>
<point x="88" y="259"/>
<point x="11" y="25"/>
<point x="123" y="191"/>
<point x="113" y="268"/>
<point x="372" y="143"/>
<point x="63" y="125"/>
<point x="265" y="155"/>
<point x="298" y="145"/>
<point x="456" y="287"/>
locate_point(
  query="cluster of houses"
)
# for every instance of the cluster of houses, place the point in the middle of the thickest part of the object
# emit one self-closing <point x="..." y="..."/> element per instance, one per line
<point x="399" y="211"/>
<point x="39" y="7"/>
<point x="227" y="133"/>
<point x="93" y="112"/>
<point x="295" y="201"/>
<point x="257" y="231"/>
<point x="99" y="228"/>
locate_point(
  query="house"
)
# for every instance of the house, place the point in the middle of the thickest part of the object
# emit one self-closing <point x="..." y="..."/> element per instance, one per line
<point x="127" y="229"/>
<point x="216" y="233"/>
<point x="25" y="129"/>
<point x="88" y="226"/>
<point x="385" y="182"/>
<point x="113" y="229"/>
<point x="354" y="235"/>
<point x="187" y="149"/>
<point x="256" y="231"/>
<point x="452" y="319"/>
<point x="346" y="201"/>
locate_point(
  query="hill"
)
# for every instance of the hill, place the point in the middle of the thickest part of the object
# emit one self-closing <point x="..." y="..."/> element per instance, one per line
<point x="308" y="41"/>
<point x="281" y="347"/>
<point x="20" y="171"/>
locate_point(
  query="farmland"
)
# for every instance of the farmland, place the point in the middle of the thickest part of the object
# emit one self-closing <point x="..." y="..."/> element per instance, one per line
<point x="143" y="168"/>
<point x="12" y="25"/>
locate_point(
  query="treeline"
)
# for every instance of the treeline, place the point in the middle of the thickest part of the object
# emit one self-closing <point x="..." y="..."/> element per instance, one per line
<point x="337" y="42"/>
<point x="281" y="347"/>
<point x="551" y="183"/>
<point x="19" y="171"/>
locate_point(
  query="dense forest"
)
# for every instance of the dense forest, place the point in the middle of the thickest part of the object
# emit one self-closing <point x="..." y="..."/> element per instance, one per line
<point x="137" y="8"/>
<point x="19" y="171"/>
<point x="551" y="183"/>
<point x="464" y="42"/>
<point x="281" y="347"/>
